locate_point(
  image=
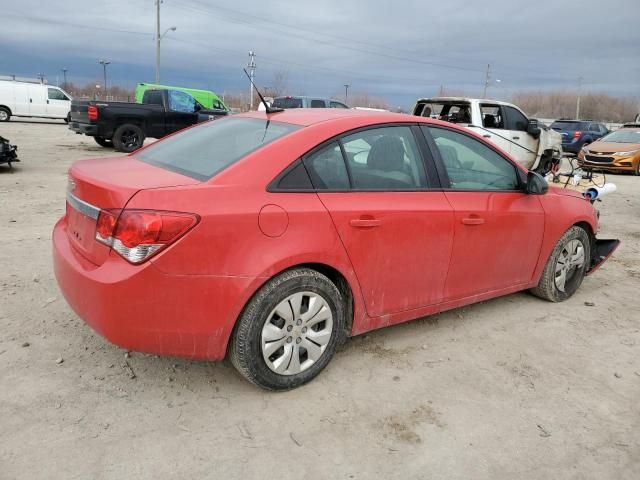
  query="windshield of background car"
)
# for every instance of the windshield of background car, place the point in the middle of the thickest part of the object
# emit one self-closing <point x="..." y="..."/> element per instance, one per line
<point x="206" y="150"/>
<point x="287" y="103"/>
<point x="566" y="125"/>
<point x="622" y="136"/>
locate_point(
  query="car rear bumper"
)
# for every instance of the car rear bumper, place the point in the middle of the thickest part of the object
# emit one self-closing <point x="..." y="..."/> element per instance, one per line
<point x="573" y="147"/>
<point x="139" y="307"/>
<point x="86" y="128"/>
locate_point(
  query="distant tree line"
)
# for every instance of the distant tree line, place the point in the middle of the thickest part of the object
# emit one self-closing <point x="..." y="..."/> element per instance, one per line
<point x="562" y="104"/>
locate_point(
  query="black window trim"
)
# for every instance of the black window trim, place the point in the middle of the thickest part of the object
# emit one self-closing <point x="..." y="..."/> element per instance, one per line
<point x="442" y="172"/>
<point x="424" y="153"/>
<point x="503" y="114"/>
<point x="508" y="115"/>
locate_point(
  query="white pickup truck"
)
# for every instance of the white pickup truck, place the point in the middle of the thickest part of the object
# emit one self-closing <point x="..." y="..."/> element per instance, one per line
<point x="532" y="144"/>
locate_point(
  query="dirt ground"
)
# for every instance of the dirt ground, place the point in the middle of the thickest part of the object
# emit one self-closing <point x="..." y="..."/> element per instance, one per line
<point x="513" y="388"/>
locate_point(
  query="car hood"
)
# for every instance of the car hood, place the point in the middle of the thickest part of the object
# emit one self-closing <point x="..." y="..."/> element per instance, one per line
<point x="565" y="191"/>
<point x="610" y="147"/>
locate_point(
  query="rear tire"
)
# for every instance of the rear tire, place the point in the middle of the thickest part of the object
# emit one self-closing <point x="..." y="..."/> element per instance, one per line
<point x="128" y="138"/>
<point x="5" y="114"/>
<point x="289" y="330"/>
<point x="104" y="142"/>
<point x="566" y="266"/>
<point x="636" y="171"/>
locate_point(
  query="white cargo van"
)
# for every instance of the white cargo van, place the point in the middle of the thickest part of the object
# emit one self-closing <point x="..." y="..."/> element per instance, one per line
<point x="27" y="99"/>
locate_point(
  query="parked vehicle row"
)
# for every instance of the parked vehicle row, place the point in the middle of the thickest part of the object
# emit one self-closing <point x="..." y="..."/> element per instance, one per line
<point x="304" y="228"/>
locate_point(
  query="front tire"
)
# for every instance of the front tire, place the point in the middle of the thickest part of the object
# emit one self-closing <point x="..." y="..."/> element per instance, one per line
<point x="289" y="330"/>
<point x="128" y="138"/>
<point x="566" y="266"/>
<point x="5" y="114"/>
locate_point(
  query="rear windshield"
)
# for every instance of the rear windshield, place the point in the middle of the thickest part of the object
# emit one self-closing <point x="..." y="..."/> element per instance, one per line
<point x="622" y="136"/>
<point x="287" y="102"/>
<point x="566" y="125"/>
<point x="206" y="150"/>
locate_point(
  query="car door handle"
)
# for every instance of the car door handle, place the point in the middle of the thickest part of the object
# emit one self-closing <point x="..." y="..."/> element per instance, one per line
<point x="473" y="221"/>
<point x="47" y="101"/>
<point x="486" y="136"/>
<point x="516" y="138"/>
<point x="365" y="222"/>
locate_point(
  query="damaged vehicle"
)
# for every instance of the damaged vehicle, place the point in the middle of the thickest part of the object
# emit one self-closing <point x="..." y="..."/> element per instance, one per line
<point x="306" y="227"/>
<point x="8" y="152"/>
<point x="530" y="142"/>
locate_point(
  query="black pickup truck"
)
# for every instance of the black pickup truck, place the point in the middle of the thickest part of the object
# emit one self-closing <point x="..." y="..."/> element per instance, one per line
<point x="125" y="125"/>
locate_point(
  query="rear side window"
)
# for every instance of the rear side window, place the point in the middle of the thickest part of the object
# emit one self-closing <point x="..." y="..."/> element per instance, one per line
<point x="152" y="97"/>
<point x="318" y="104"/>
<point x="206" y="150"/>
<point x="384" y="159"/>
<point x="565" y="125"/>
<point x="327" y="169"/>
<point x="287" y="102"/>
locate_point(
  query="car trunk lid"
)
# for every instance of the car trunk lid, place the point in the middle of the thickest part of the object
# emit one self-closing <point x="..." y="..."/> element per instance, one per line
<point x="104" y="184"/>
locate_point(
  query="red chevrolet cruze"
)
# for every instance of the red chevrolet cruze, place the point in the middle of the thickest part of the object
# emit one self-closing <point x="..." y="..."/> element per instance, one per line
<point x="273" y="237"/>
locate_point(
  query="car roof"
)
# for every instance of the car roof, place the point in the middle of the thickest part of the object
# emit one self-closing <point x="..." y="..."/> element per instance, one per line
<point x="310" y="116"/>
<point x="464" y="99"/>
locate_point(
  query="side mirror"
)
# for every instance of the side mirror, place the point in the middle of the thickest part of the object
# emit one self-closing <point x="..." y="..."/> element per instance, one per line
<point x="197" y="107"/>
<point x="536" y="184"/>
<point x="533" y="128"/>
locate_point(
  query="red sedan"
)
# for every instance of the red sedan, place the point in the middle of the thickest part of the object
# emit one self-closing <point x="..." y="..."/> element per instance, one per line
<point x="273" y="237"/>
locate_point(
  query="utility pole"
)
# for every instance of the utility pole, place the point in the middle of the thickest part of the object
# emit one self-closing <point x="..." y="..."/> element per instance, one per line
<point x="104" y="64"/>
<point x="578" y="100"/>
<point x="158" y="41"/>
<point x="487" y="79"/>
<point x="64" y="73"/>
<point x="441" y="94"/>
<point x="346" y="92"/>
<point x="252" y="69"/>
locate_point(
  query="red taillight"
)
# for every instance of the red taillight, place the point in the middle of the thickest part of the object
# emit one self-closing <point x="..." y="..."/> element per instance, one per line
<point x="92" y="113"/>
<point x="577" y="134"/>
<point x="138" y="234"/>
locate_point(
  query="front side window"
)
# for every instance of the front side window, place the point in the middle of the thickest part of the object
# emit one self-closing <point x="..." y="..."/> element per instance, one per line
<point x="327" y="169"/>
<point x="181" y="102"/>
<point x="384" y="159"/>
<point x="471" y="165"/>
<point x="516" y="120"/>
<point x="206" y="150"/>
<point x="55" y="94"/>
<point x="317" y="104"/>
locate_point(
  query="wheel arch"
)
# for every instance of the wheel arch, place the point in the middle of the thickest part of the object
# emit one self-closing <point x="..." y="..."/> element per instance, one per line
<point x="6" y="107"/>
<point x="330" y="271"/>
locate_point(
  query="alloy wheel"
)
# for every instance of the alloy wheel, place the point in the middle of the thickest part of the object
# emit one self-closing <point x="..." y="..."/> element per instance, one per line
<point x="3" y="116"/>
<point x="570" y="261"/>
<point x="296" y="333"/>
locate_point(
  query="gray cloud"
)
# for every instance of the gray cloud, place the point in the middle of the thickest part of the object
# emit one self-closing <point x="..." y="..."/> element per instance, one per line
<point x="400" y="50"/>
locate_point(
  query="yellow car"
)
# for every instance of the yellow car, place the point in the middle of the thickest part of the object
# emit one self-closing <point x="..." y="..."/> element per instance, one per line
<point x="618" y="151"/>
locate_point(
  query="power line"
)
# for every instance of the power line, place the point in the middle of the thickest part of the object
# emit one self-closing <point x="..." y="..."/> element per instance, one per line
<point x="263" y="25"/>
<point x="75" y="25"/>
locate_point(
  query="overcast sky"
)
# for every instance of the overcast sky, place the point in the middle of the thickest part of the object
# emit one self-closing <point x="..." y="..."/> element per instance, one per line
<point x="400" y="49"/>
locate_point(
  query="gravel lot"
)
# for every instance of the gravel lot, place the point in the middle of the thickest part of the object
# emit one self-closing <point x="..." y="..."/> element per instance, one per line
<point x="510" y="388"/>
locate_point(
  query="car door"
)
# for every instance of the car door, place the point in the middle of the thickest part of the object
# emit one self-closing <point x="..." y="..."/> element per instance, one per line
<point x="524" y="146"/>
<point x="21" y="99"/>
<point x="396" y="229"/>
<point x="37" y="100"/>
<point x="58" y="104"/>
<point x="181" y="111"/>
<point x="493" y="126"/>
<point x="498" y="228"/>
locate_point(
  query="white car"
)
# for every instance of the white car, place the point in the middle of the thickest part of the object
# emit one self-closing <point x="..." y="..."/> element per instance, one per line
<point x="532" y="144"/>
<point x="31" y="99"/>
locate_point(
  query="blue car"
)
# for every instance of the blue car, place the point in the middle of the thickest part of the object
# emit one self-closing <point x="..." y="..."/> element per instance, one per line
<point x="577" y="133"/>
